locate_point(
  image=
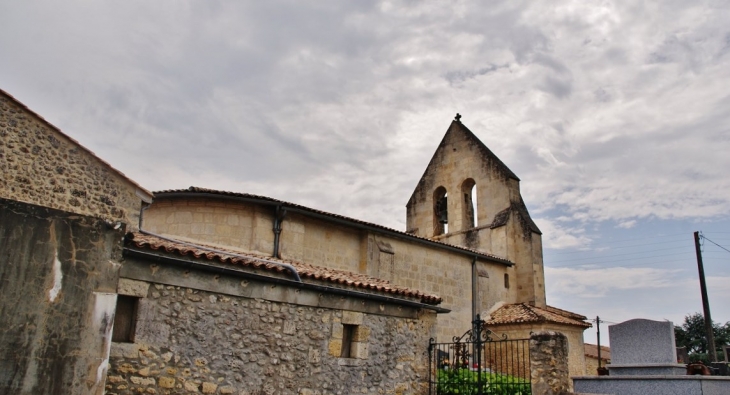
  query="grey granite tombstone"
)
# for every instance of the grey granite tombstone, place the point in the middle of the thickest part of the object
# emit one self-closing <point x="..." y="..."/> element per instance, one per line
<point x="644" y="362"/>
<point x="682" y="355"/>
<point x="643" y="347"/>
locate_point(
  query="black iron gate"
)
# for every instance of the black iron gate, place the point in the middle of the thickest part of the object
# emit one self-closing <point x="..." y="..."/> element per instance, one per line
<point x="478" y="363"/>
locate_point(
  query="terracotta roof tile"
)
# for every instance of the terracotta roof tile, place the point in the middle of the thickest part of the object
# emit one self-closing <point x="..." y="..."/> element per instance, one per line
<point x="525" y="313"/>
<point x="193" y="189"/>
<point x="591" y="350"/>
<point x="139" y="240"/>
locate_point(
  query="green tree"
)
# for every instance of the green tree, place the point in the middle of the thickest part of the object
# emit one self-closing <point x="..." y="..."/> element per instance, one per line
<point x="692" y="335"/>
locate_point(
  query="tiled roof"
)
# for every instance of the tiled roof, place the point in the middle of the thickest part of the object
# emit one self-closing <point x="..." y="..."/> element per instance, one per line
<point x="202" y="191"/>
<point x="566" y="313"/>
<point x="591" y="350"/>
<point x="524" y="313"/>
<point x="306" y="271"/>
<point x="73" y="141"/>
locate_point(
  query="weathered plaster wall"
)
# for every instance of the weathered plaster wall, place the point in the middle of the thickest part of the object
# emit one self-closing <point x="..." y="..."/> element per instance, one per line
<point x="190" y="341"/>
<point x="58" y="275"/>
<point x="40" y="165"/>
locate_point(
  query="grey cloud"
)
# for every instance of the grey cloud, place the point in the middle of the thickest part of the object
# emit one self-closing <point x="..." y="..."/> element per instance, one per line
<point x="559" y="87"/>
<point x="458" y="76"/>
<point x="260" y="94"/>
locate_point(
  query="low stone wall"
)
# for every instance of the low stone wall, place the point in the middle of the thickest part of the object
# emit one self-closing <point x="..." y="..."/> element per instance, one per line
<point x="191" y="341"/>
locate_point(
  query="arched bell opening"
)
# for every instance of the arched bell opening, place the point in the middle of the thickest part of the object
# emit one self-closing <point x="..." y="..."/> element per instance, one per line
<point x="440" y="212"/>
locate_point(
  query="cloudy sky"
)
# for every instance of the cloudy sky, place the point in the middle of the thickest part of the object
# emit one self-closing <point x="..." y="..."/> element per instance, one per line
<point x="615" y="115"/>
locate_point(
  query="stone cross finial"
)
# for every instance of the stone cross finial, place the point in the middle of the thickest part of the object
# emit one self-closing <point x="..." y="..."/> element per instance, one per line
<point x="457" y="118"/>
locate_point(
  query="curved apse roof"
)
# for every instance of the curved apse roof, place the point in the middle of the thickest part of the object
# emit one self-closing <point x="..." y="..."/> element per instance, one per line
<point x="171" y="193"/>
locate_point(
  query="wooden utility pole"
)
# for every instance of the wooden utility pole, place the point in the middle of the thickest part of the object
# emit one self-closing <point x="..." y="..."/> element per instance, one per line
<point x="598" y="337"/>
<point x="705" y="302"/>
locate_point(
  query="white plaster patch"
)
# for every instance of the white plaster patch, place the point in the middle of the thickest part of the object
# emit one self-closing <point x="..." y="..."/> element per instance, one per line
<point x="57" y="279"/>
<point x="105" y="305"/>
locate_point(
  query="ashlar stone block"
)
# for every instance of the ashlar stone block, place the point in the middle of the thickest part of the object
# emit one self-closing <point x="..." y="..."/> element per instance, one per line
<point x="337" y="330"/>
<point x="359" y="350"/>
<point x="335" y="347"/>
<point x="132" y="288"/>
<point x="352" y="318"/>
<point x="362" y="334"/>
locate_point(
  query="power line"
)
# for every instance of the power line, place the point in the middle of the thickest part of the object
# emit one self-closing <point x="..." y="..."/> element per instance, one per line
<point x="705" y="238"/>
<point x="628" y="253"/>
<point x="591" y="261"/>
<point x="618" y="247"/>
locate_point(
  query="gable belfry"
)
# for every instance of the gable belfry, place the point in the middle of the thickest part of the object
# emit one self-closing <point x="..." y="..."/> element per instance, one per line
<point x="468" y="197"/>
<point x="459" y="131"/>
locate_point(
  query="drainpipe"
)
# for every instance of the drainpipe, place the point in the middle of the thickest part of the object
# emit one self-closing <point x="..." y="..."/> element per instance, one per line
<point x="474" y="289"/>
<point x="145" y="206"/>
<point x="278" y="219"/>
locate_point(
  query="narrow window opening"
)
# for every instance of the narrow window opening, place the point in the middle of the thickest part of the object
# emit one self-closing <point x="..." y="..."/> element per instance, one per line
<point x="125" y="319"/>
<point x="348" y="334"/>
<point x="506" y="280"/>
<point x="475" y="210"/>
<point x="469" y="208"/>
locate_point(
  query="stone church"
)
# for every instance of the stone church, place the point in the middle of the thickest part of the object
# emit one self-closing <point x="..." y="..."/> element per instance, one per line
<point x="118" y="290"/>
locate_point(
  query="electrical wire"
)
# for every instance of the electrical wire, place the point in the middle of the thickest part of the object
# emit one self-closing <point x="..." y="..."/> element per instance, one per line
<point x="618" y="247"/>
<point x="628" y="253"/>
<point x="589" y="261"/>
<point x="705" y="238"/>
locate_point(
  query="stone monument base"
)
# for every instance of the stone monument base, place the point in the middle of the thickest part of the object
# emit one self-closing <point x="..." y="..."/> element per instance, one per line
<point x="657" y="369"/>
<point x="653" y="385"/>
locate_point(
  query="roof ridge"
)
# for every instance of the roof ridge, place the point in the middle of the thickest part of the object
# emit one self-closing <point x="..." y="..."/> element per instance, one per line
<point x="515" y="313"/>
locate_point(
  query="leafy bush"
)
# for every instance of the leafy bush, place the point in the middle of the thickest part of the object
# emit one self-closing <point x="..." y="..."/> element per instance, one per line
<point x="466" y="382"/>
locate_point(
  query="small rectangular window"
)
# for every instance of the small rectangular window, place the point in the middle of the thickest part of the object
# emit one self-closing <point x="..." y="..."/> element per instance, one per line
<point x="506" y="280"/>
<point x="348" y="333"/>
<point x="125" y="319"/>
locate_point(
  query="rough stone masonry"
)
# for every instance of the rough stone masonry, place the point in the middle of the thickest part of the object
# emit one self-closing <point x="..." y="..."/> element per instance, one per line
<point x="190" y="341"/>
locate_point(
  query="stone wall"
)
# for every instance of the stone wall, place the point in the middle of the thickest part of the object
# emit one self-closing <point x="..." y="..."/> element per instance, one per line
<point x="58" y="279"/>
<point x="549" y="364"/>
<point x="592" y="366"/>
<point x="40" y="165"/>
<point x="190" y="341"/>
